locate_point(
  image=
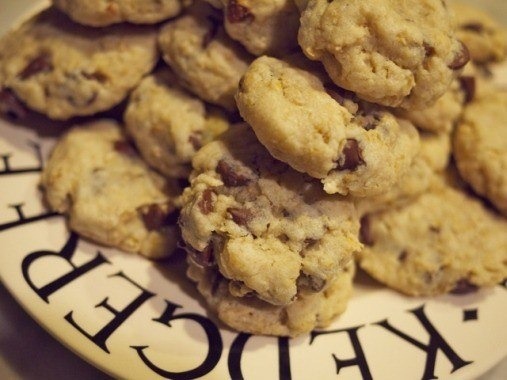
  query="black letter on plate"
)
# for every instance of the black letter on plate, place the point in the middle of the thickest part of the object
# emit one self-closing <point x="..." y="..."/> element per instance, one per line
<point x="359" y="360"/>
<point x="436" y="343"/>
<point x="66" y="253"/>
<point x="120" y="316"/>
<point x="236" y="351"/>
<point x="215" y="344"/>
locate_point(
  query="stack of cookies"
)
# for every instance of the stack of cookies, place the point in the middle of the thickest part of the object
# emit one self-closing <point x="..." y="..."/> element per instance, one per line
<point x="279" y="142"/>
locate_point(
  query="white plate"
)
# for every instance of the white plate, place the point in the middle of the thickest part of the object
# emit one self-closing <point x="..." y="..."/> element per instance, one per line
<point x="134" y="319"/>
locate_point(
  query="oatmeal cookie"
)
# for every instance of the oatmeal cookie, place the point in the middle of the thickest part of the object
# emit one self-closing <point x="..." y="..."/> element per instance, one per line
<point x="168" y="124"/>
<point x="199" y="51"/>
<point x="271" y="231"/>
<point x="393" y="52"/>
<point x="252" y="315"/>
<point x="107" y="12"/>
<point x="262" y="26"/>
<point x="63" y="69"/>
<point x="95" y="177"/>
<point x="352" y="149"/>
<point x="485" y="39"/>
<point x="480" y="147"/>
<point x="444" y="241"/>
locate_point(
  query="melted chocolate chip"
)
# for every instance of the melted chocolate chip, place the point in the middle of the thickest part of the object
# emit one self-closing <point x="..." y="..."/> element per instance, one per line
<point x="467" y="84"/>
<point x="473" y="27"/>
<point x="241" y="216"/>
<point x="429" y="50"/>
<point x="41" y="63"/>
<point x="206" y="202"/>
<point x="204" y="258"/>
<point x="351" y="157"/>
<point x="312" y="283"/>
<point x="232" y="174"/>
<point x="10" y="105"/>
<point x="125" y="148"/>
<point x="238" y="13"/>
<point x="464" y="286"/>
<point x="365" y="231"/>
<point x="155" y="217"/>
<point x="461" y="58"/>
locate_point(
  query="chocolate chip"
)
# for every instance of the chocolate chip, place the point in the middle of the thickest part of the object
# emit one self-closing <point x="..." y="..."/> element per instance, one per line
<point x="365" y="231"/>
<point x="238" y="13"/>
<point x="196" y="140"/>
<point x="41" y="63"/>
<point x="312" y="283"/>
<point x="309" y="243"/>
<point x="473" y="27"/>
<point x="429" y="50"/>
<point x="10" y="105"/>
<point x="241" y="216"/>
<point x="461" y="58"/>
<point x="369" y="121"/>
<point x="403" y="256"/>
<point x="97" y="76"/>
<point x="155" y="216"/>
<point x="206" y="202"/>
<point x="233" y="174"/>
<point x="464" y="286"/>
<point x="125" y="148"/>
<point x="351" y="157"/>
<point x="467" y="84"/>
<point x="204" y="258"/>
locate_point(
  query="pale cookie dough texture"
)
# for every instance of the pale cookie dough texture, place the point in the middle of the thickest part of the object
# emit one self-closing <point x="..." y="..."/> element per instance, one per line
<point x="95" y="177"/>
<point x="208" y="62"/>
<point x="262" y="26"/>
<point x="251" y="315"/>
<point x="445" y="241"/>
<point x="106" y="12"/>
<point x="393" y="52"/>
<point x="301" y="122"/>
<point x="485" y="38"/>
<point x="271" y="231"/>
<point x="432" y="158"/>
<point x="63" y="70"/>
<point x="168" y="124"/>
<point x="480" y="147"/>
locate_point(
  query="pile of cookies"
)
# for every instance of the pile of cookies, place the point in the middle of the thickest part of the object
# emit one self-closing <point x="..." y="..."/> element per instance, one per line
<point x="281" y="143"/>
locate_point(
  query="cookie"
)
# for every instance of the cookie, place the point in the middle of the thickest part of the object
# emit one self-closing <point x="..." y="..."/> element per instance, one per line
<point x="168" y="124"/>
<point x="271" y="231"/>
<point x="198" y="50"/>
<point x="351" y="149"/>
<point x="106" y="12"/>
<point x="485" y="38"/>
<point x="444" y="241"/>
<point x="432" y="158"/>
<point x="393" y="52"/>
<point x="480" y="147"/>
<point x="95" y="177"/>
<point x="63" y="69"/>
<point x="262" y="26"/>
<point x="251" y="315"/>
<point x="442" y="116"/>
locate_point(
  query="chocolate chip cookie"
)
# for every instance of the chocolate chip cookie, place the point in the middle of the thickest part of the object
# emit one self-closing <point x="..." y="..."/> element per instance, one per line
<point x="271" y="231"/>
<point x="95" y="177"/>
<point x="208" y="62"/>
<point x="63" y="69"/>
<point x="480" y="147"/>
<point x="168" y="124"/>
<point x="317" y="129"/>
<point x="444" y="241"/>
<point x="393" y="52"/>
